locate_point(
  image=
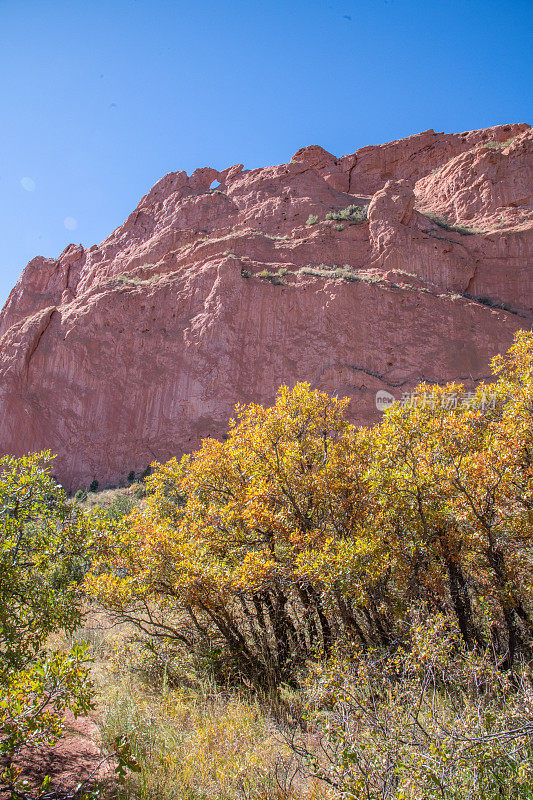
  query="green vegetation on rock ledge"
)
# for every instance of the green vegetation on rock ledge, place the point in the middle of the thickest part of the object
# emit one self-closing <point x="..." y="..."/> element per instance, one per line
<point x="448" y="226"/>
<point x="353" y="215"/>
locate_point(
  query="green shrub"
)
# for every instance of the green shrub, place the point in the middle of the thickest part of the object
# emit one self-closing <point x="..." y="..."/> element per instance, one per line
<point x="43" y="539"/>
<point x="273" y="277"/>
<point x="312" y="219"/>
<point x="121" y="506"/>
<point x="319" y="272"/>
<point x="499" y="145"/>
<point x="430" y="719"/>
<point x="353" y="214"/>
<point x="488" y="301"/>
<point x="448" y="226"/>
<point x="346" y="273"/>
<point x="93" y="487"/>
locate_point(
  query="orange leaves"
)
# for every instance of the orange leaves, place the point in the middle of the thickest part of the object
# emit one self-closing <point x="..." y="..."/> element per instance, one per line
<point x="297" y="515"/>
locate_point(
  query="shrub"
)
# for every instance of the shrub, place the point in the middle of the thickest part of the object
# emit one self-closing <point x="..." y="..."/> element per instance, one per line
<point x="442" y="223"/>
<point x="93" y="487"/>
<point x="273" y="277"/>
<point x="318" y="272"/>
<point x="488" y="301"/>
<point x="121" y="506"/>
<point x="353" y="214"/>
<point x="312" y="219"/>
<point x="43" y="540"/>
<point x="345" y="273"/>
<point x="499" y="145"/>
<point x="431" y="719"/>
<point x="300" y="530"/>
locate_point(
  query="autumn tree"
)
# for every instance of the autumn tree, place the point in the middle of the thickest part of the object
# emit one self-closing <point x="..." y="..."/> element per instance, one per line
<point x="263" y="549"/>
<point x="212" y="556"/>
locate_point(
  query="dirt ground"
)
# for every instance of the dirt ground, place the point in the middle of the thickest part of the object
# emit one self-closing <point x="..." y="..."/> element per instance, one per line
<point x="70" y="761"/>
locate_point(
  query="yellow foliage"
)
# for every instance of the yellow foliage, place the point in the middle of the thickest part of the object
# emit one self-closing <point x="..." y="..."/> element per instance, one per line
<point x="299" y="528"/>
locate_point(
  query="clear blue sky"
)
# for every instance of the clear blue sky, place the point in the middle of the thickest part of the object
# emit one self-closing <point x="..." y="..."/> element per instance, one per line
<point x="100" y="98"/>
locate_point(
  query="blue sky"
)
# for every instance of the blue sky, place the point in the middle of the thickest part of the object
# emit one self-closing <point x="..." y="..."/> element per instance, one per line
<point x="100" y="98"/>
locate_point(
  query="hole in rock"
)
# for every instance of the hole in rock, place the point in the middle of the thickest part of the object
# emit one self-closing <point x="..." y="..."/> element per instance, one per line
<point x="215" y="184"/>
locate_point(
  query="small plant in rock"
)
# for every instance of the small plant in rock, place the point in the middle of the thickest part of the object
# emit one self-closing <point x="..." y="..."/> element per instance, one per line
<point x="346" y="273"/>
<point x="135" y="280"/>
<point x="273" y="277"/>
<point x="465" y="230"/>
<point x="318" y="272"/>
<point x="490" y="302"/>
<point x="353" y="214"/>
<point x="499" y="145"/>
<point x="312" y="219"/>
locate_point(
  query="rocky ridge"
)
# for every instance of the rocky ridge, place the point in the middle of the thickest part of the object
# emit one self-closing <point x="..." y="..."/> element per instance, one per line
<point x="208" y="295"/>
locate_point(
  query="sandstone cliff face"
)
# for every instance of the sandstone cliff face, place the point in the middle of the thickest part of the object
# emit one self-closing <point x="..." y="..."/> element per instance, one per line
<point x="135" y="349"/>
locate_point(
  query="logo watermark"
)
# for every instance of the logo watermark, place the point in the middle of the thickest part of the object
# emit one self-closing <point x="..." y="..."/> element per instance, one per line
<point x="433" y="400"/>
<point x="384" y="400"/>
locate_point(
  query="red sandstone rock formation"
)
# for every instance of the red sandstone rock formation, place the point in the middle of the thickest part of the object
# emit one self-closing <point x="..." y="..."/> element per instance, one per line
<point x="135" y="349"/>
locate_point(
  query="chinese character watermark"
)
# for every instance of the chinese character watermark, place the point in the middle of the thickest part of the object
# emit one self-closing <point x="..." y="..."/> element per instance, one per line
<point x="448" y="401"/>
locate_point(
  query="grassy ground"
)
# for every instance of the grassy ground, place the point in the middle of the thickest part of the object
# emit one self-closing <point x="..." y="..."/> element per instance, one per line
<point x="192" y="739"/>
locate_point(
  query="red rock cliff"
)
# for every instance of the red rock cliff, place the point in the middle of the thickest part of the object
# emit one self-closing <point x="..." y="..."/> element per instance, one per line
<point x="135" y="349"/>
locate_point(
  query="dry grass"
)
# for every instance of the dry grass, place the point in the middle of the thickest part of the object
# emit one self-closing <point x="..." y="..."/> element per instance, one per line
<point x="194" y="745"/>
<point x="121" y="499"/>
<point x="192" y="740"/>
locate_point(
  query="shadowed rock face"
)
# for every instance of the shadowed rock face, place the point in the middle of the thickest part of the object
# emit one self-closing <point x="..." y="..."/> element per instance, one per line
<point x="135" y="349"/>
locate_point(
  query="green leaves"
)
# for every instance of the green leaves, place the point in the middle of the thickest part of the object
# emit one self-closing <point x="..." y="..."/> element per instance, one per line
<point x="125" y="760"/>
<point x="43" y="543"/>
